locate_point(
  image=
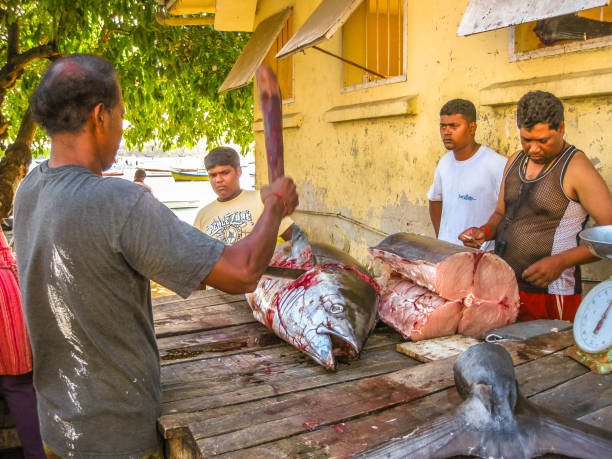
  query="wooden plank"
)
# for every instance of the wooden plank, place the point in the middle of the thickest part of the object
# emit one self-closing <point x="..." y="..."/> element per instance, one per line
<point x="277" y="361"/>
<point x="578" y="397"/>
<point x="216" y="343"/>
<point x="436" y="348"/>
<point x="207" y="318"/>
<point x="269" y="374"/>
<point x="333" y="405"/>
<point x="212" y="299"/>
<point x="556" y="369"/>
<point x="343" y="438"/>
<point x="223" y="396"/>
<point x="181" y="447"/>
<point x="304" y="412"/>
<point x="533" y="348"/>
<point x="195" y="295"/>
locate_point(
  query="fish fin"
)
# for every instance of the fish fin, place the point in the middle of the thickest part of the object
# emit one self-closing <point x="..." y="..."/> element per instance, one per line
<point x="425" y="441"/>
<point x="545" y="432"/>
<point x="299" y="243"/>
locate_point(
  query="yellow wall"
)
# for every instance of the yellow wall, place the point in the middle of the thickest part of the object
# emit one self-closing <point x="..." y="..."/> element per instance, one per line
<point x="377" y="171"/>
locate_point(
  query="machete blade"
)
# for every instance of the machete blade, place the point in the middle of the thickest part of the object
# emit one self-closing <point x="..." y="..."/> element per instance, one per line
<point x="271" y="108"/>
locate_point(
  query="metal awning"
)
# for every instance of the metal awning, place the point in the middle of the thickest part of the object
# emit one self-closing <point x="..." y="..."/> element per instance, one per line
<point x="321" y="25"/>
<point x="255" y="50"/>
<point x="484" y="15"/>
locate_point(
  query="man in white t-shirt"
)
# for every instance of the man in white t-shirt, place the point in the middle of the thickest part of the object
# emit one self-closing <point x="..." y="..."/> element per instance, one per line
<point x="467" y="179"/>
<point x="234" y="213"/>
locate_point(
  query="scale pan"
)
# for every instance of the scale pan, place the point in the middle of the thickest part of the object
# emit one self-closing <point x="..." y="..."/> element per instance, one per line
<point x="599" y="240"/>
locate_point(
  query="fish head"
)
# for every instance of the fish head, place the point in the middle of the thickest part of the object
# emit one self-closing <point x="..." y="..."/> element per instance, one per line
<point x="333" y="309"/>
<point x="485" y="371"/>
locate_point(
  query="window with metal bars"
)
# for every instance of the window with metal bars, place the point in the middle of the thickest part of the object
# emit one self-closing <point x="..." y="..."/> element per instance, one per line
<point x="283" y="68"/>
<point x="373" y="42"/>
<point x="563" y="30"/>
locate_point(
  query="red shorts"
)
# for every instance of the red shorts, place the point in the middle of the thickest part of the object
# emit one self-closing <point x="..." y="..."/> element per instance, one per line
<point x="548" y="306"/>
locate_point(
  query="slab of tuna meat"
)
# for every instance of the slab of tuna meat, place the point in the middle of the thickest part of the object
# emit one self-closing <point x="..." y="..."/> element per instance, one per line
<point x="482" y="281"/>
<point x="416" y="312"/>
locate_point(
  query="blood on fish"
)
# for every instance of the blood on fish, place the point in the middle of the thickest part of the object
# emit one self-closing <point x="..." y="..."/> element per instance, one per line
<point x="477" y="258"/>
<point x="270" y="317"/>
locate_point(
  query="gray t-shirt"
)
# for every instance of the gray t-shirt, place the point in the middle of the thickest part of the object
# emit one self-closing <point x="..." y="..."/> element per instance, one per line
<point x="86" y="249"/>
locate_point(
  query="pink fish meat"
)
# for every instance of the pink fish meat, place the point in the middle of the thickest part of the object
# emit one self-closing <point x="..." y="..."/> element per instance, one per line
<point x="483" y="283"/>
<point x="417" y="313"/>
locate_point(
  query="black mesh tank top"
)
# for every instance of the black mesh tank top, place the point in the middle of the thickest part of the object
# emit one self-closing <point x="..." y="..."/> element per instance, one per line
<point x="540" y="221"/>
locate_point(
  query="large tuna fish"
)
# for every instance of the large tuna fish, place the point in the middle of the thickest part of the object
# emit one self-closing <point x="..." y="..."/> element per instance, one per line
<point x="326" y="312"/>
<point x="495" y="420"/>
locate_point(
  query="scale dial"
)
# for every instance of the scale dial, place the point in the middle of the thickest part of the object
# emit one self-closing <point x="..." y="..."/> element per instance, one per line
<point x="593" y="321"/>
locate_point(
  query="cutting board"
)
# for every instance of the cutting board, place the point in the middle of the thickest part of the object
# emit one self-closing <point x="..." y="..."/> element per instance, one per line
<point x="440" y="348"/>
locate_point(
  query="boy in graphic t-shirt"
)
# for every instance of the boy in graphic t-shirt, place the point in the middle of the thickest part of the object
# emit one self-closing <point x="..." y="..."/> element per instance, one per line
<point x="467" y="179"/>
<point x="234" y="213"/>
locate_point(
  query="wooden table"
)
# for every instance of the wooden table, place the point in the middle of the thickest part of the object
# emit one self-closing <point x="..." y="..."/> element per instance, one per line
<point x="231" y="388"/>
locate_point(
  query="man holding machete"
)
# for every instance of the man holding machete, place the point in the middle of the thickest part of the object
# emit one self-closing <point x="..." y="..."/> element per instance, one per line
<point x="549" y="189"/>
<point x="87" y="246"/>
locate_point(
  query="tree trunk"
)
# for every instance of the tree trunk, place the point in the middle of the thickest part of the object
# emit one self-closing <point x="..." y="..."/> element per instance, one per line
<point x="14" y="166"/>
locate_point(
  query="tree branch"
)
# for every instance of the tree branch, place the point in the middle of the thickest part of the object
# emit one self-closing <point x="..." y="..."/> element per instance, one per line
<point x="15" y="66"/>
<point x="12" y="48"/>
<point x="106" y="35"/>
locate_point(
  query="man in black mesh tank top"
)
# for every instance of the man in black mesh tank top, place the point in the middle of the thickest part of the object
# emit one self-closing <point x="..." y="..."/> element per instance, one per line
<point x="549" y="189"/>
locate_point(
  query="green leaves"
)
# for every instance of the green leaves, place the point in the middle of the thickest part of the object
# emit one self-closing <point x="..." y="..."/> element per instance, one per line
<point x="169" y="75"/>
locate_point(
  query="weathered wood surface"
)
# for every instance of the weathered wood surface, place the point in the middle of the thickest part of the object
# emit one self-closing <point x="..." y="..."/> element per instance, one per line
<point x="436" y="348"/>
<point x="231" y="388"/>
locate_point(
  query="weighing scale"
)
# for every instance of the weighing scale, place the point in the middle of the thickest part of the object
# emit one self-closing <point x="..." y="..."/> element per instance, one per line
<point x="593" y="321"/>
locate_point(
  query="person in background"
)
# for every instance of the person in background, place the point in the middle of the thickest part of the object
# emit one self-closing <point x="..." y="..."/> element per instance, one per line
<point x="234" y="213"/>
<point x="139" y="177"/>
<point x="467" y="179"/>
<point x="87" y="247"/>
<point x="16" y="357"/>
<point x="549" y="189"/>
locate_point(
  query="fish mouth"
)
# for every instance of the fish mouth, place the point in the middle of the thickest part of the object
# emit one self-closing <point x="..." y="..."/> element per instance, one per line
<point x="342" y="344"/>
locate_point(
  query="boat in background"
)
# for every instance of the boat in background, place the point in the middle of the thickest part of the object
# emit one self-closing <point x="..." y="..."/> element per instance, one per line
<point x="112" y="173"/>
<point x="184" y="175"/>
<point x="158" y="172"/>
<point x="182" y="204"/>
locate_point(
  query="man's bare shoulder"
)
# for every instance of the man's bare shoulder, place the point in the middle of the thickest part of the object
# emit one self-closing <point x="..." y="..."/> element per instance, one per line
<point x="580" y="174"/>
<point x="580" y="167"/>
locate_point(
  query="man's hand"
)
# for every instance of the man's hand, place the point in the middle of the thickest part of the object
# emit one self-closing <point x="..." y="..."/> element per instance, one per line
<point x="473" y="237"/>
<point x="284" y="189"/>
<point x="544" y="271"/>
